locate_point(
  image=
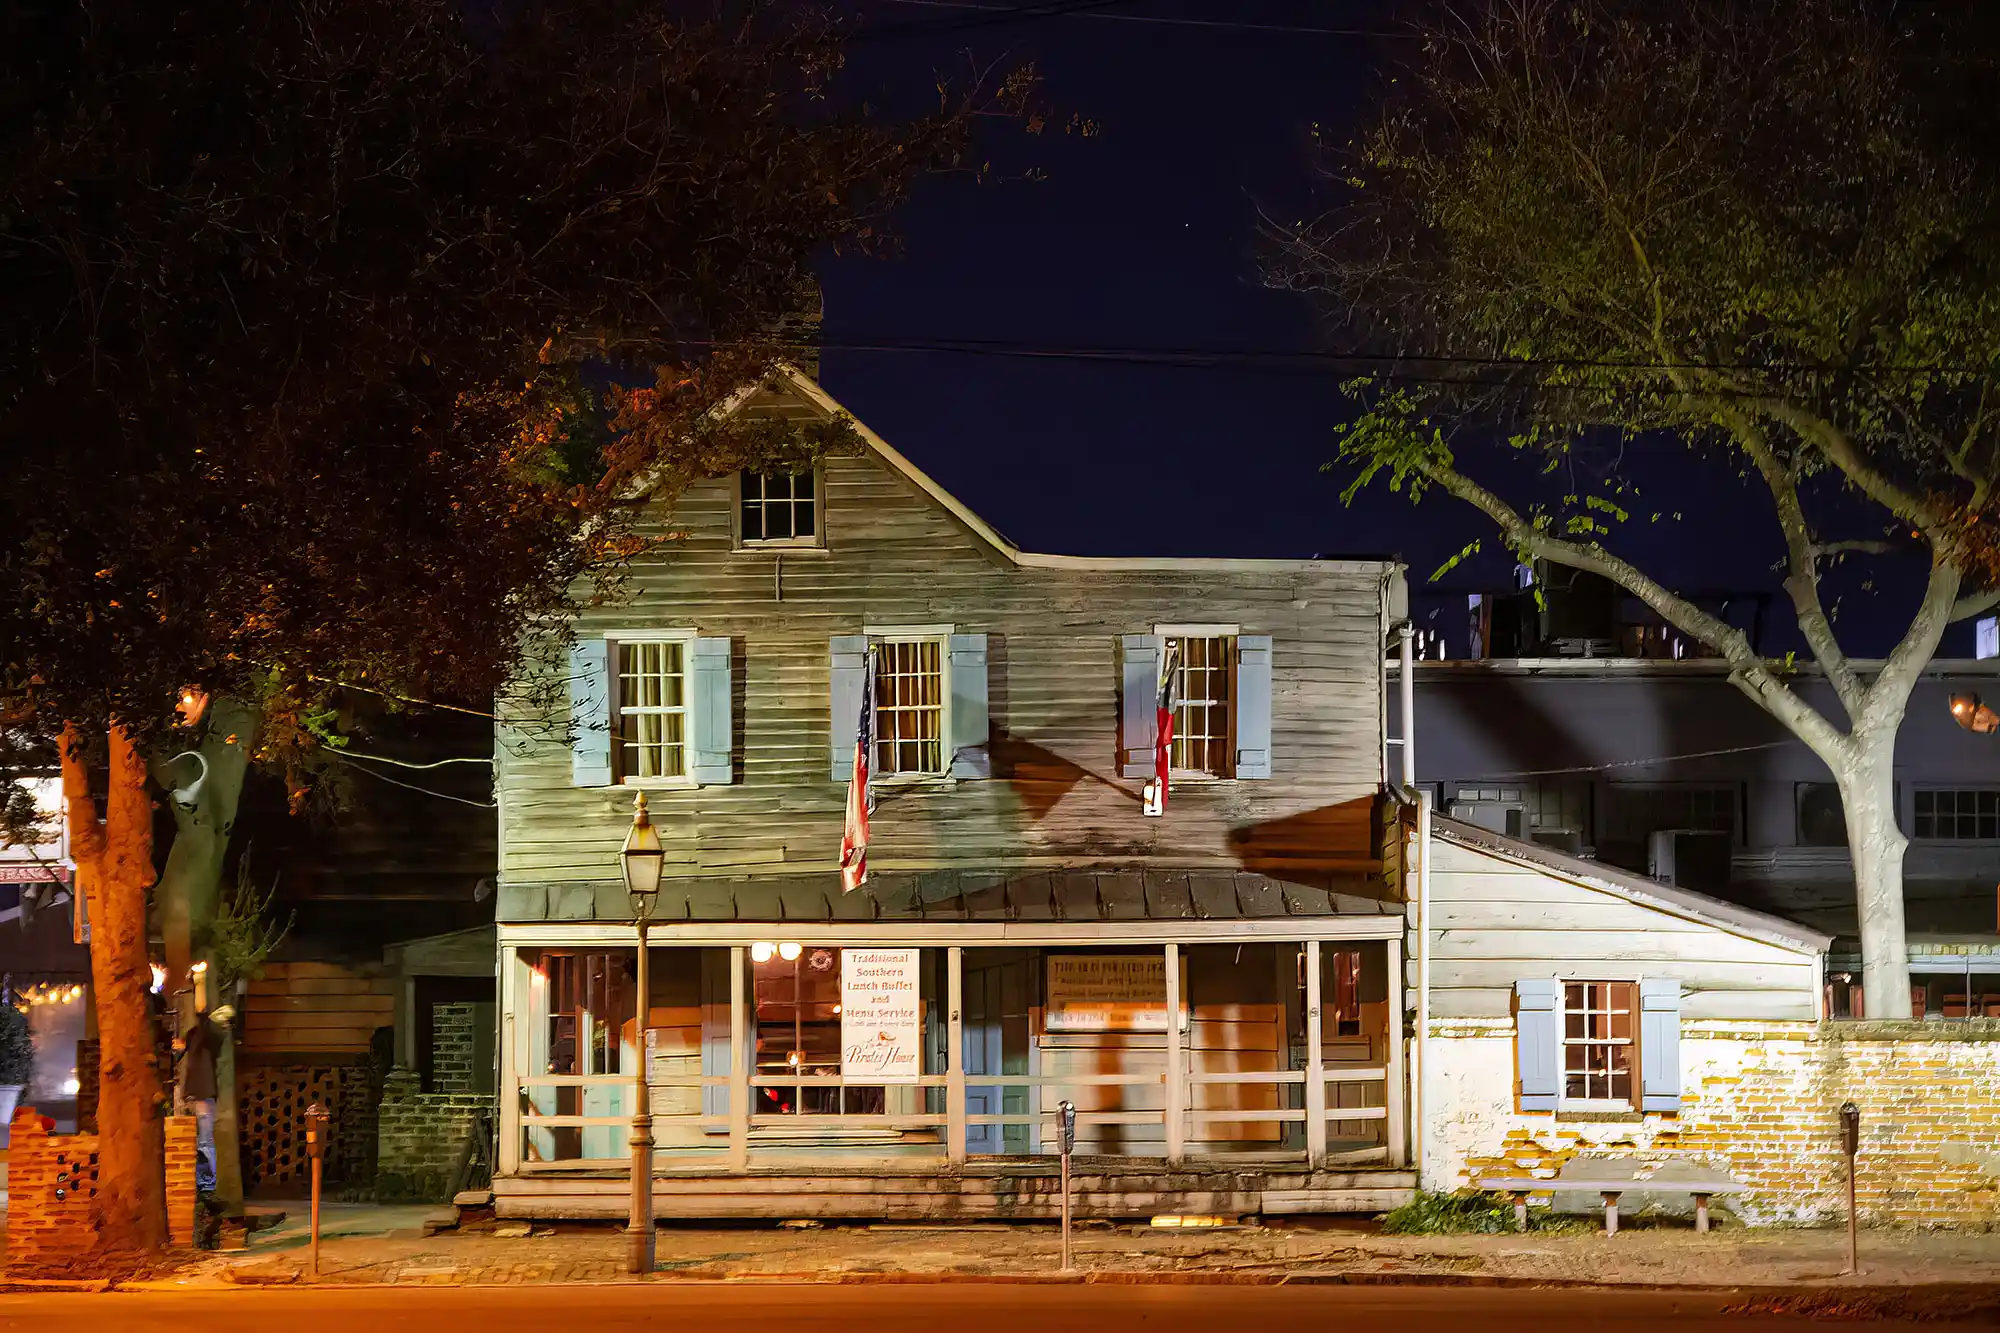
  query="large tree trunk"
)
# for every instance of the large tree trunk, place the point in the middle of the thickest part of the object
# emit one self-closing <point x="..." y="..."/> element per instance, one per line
<point x="1876" y="843"/>
<point x="189" y="892"/>
<point x="114" y="870"/>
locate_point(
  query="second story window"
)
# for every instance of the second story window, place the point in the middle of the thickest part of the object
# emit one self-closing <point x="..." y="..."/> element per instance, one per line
<point x="1203" y="735"/>
<point x="778" y="508"/>
<point x="652" y="709"/>
<point x="909" y="707"/>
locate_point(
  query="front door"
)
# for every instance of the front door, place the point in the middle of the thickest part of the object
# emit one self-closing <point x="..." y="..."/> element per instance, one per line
<point x="997" y="992"/>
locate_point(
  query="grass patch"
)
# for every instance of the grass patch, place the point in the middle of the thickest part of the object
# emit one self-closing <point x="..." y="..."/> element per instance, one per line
<point x="1433" y="1213"/>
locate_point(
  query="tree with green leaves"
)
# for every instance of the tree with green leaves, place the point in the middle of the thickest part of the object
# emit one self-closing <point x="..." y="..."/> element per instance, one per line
<point x="1765" y="232"/>
<point x="297" y="297"/>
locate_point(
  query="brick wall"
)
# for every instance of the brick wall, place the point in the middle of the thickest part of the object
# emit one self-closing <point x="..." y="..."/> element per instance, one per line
<point x="1760" y="1100"/>
<point x="420" y="1135"/>
<point x="52" y="1180"/>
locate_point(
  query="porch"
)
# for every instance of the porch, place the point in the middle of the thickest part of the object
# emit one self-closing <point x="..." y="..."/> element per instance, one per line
<point x="1235" y="1066"/>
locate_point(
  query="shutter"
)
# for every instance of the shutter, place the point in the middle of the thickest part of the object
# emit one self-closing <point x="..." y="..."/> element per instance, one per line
<point x="848" y="677"/>
<point x="590" y="713"/>
<point x="1659" y="1044"/>
<point x="1139" y="705"/>
<point x="715" y="1034"/>
<point x="712" y="761"/>
<point x="1537" y="1040"/>
<point x="1253" y="706"/>
<point x="970" y="757"/>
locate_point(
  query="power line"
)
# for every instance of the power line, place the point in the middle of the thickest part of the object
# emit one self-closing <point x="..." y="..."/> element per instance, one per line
<point x="1630" y="763"/>
<point x="987" y="17"/>
<point x="411" y="786"/>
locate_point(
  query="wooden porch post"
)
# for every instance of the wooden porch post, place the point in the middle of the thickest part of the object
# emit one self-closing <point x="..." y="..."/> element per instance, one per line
<point x="954" y="1055"/>
<point x="513" y="994"/>
<point x="1176" y="1108"/>
<point x="1394" y="1090"/>
<point x="739" y="1063"/>
<point x="1315" y="1069"/>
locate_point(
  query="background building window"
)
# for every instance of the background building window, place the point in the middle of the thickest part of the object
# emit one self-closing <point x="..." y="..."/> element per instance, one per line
<point x="1599" y="1023"/>
<point x="1202" y="715"/>
<point x="1634" y="811"/>
<point x="909" y="707"/>
<point x="778" y="507"/>
<point x="1962" y="814"/>
<point x="652" y="709"/>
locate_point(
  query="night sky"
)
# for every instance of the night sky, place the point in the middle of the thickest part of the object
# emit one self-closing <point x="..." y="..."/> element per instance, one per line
<point x="1144" y="236"/>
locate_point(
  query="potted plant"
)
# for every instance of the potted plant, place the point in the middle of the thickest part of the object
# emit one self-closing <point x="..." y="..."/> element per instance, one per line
<point x="17" y="1062"/>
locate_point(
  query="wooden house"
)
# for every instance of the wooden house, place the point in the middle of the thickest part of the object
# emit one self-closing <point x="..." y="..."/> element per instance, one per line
<point x="1217" y="989"/>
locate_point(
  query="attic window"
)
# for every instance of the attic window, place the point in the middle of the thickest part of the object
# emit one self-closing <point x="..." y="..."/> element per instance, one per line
<point x="778" y="508"/>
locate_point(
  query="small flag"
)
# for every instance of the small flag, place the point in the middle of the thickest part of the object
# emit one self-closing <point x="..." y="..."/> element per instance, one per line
<point x="860" y="800"/>
<point x="1163" y="729"/>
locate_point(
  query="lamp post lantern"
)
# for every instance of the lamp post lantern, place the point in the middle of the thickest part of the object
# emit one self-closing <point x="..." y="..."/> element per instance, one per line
<point x="642" y="859"/>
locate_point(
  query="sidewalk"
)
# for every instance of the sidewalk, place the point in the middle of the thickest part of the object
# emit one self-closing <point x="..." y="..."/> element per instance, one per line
<point x="376" y="1245"/>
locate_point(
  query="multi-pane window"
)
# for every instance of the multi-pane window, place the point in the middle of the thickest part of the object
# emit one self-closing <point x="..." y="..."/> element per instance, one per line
<point x="1634" y="811"/>
<point x="778" y="507"/>
<point x="652" y="709"/>
<point x="909" y="707"/>
<point x="1963" y="814"/>
<point x="1598" y="1046"/>
<point x="1202" y="715"/>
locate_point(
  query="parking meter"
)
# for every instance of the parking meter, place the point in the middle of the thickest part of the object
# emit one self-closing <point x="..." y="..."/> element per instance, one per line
<point x="1850" y="1143"/>
<point x="1066" y="1120"/>
<point x="1850" y="1128"/>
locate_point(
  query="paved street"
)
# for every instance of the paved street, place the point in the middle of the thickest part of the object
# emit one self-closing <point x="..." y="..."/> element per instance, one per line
<point x="886" y="1309"/>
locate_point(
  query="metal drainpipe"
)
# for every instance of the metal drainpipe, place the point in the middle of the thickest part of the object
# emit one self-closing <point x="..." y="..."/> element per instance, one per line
<point x="1419" y="1140"/>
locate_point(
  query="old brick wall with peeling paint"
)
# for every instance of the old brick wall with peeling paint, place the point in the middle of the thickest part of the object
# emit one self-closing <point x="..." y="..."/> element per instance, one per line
<point x="1761" y="1100"/>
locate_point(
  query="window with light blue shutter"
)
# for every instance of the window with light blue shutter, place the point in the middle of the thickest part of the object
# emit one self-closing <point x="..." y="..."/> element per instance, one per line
<point x="1138" y="704"/>
<point x="847" y="681"/>
<point x="712" y="760"/>
<point x="590" y="713"/>
<point x="1538" y="1041"/>
<point x="1253" y="706"/>
<point x="1659" y="1044"/>
<point x="971" y="756"/>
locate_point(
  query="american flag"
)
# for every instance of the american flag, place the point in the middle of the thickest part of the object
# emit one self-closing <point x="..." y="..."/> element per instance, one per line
<point x="860" y="800"/>
<point x="1163" y="726"/>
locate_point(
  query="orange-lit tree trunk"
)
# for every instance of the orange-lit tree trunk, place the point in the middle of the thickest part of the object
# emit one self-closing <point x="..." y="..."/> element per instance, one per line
<point x="114" y="862"/>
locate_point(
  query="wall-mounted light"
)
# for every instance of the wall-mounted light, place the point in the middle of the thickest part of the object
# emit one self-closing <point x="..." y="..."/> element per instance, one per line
<point x="1974" y="716"/>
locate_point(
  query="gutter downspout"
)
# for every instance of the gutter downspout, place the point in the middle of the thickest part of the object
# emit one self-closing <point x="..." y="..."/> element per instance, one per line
<point x="1407" y="689"/>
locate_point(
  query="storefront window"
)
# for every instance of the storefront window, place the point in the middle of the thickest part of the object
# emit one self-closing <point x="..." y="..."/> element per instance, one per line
<point x="582" y="1005"/>
<point x="799" y="1033"/>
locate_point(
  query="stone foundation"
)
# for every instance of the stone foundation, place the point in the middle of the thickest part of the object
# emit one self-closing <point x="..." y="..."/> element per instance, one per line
<point x="52" y="1181"/>
<point x="1760" y="1100"/>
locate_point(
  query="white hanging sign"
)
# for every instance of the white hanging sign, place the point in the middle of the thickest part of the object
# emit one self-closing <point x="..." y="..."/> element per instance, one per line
<point x="881" y="1017"/>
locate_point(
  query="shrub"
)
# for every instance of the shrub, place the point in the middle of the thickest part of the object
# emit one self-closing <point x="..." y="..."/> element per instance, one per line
<point x="1433" y="1213"/>
<point x="17" y="1050"/>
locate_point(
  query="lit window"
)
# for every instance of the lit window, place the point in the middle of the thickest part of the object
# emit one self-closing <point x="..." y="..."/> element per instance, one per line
<point x="1599" y="1052"/>
<point x="909" y="707"/>
<point x="1202" y="716"/>
<point x="1962" y="815"/>
<point x="778" y="508"/>
<point x="652" y="709"/>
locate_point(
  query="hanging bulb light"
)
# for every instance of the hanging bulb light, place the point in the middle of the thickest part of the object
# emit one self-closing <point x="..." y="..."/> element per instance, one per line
<point x="761" y="951"/>
<point x="789" y="951"/>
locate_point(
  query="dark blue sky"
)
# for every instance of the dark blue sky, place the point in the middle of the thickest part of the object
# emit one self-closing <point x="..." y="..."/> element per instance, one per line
<point x="1145" y="235"/>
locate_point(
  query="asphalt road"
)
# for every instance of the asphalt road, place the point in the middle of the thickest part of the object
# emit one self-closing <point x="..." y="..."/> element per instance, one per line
<point x="879" y="1309"/>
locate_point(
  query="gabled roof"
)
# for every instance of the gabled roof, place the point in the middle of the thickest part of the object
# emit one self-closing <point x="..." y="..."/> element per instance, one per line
<point x="1635" y="889"/>
<point x="809" y="389"/>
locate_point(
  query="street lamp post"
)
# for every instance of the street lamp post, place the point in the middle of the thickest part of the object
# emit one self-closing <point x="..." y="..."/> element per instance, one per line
<point x="642" y="859"/>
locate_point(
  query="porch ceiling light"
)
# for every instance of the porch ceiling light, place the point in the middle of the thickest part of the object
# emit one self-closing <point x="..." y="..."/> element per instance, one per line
<point x="643" y="860"/>
<point x="789" y="951"/>
<point x="762" y="951"/>
<point x="1974" y="716"/>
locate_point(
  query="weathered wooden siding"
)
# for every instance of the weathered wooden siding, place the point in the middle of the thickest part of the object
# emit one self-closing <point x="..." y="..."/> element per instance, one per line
<point x="1498" y="921"/>
<point x="896" y="557"/>
<point x="316" y="1008"/>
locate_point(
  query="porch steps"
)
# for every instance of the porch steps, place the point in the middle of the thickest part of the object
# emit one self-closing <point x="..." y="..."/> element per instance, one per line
<point x="1009" y="1192"/>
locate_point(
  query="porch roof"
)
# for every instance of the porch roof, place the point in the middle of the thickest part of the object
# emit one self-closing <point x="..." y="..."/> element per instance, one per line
<point x="965" y="895"/>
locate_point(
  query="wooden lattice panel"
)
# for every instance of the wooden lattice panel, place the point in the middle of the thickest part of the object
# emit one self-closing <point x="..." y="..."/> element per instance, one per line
<point x="271" y="1108"/>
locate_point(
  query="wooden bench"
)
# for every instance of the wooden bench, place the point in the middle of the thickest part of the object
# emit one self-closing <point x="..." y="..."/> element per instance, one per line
<point x="1703" y="1188"/>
